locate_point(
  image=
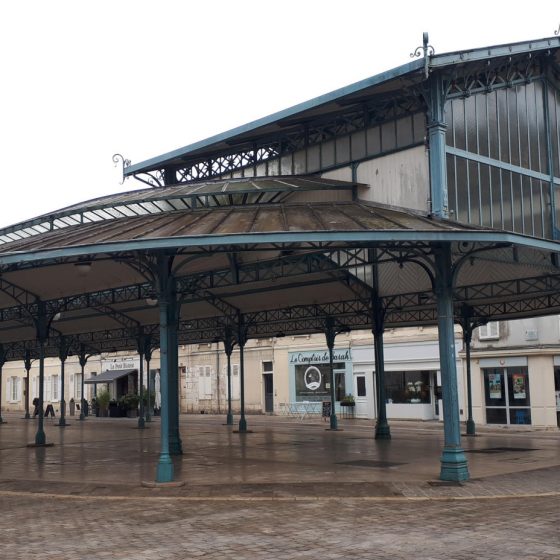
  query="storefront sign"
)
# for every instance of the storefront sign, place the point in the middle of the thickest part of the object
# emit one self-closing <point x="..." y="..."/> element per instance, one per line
<point x="320" y="357"/>
<point x="121" y="364"/>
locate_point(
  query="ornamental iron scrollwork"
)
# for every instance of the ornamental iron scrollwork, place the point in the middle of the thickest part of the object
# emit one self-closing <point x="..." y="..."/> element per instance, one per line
<point x="425" y="50"/>
<point x="119" y="158"/>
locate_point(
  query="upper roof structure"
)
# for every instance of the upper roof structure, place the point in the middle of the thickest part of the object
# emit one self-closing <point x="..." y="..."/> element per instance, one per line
<point x="392" y="83"/>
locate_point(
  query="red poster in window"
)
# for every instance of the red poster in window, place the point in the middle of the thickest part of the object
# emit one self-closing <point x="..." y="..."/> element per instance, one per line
<point x="519" y="391"/>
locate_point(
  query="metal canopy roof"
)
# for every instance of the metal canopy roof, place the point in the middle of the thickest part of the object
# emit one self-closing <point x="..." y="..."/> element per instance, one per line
<point x="109" y="375"/>
<point x="285" y="266"/>
<point x="385" y="84"/>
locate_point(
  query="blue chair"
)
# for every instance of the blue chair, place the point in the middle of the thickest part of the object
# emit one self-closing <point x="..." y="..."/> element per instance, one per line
<point x="521" y="417"/>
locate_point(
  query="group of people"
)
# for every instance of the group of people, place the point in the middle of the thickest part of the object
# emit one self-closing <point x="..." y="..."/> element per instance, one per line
<point x="49" y="411"/>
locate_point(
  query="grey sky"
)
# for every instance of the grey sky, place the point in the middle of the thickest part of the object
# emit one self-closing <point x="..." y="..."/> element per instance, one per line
<point x="83" y="80"/>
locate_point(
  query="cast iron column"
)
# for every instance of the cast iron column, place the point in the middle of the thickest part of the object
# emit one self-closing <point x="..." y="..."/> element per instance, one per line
<point x="63" y="350"/>
<point x="148" y="357"/>
<point x="467" y="338"/>
<point x="330" y="335"/>
<point x="164" y="472"/>
<point x="42" y="327"/>
<point x="468" y="324"/>
<point x="453" y="461"/>
<point x="175" y="443"/>
<point x="436" y="134"/>
<point x="83" y="358"/>
<point x="228" y="347"/>
<point x="140" y="345"/>
<point x="2" y="362"/>
<point x="382" y="430"/>
<point x="241" y="341"/>
<point x="27" y="365"/>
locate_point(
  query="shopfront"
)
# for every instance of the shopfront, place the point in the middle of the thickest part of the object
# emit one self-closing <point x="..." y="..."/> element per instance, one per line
<point x="310" y="377"/>
<point x="506" y="390"/>
<point x="412" y="379"/>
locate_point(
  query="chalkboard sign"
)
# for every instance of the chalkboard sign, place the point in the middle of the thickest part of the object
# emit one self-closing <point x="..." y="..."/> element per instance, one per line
<point x="326" y="409"/>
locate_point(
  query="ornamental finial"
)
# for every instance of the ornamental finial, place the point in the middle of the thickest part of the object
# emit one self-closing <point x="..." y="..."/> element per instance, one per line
<point x="426" y="50"/>
<point x="118" y="158"/>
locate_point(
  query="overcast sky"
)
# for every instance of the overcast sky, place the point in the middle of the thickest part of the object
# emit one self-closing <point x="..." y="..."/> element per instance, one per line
<point x="82" y="80"/>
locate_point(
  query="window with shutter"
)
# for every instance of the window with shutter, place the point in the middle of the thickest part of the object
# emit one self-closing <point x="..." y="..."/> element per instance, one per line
<point x="490" y="331"/>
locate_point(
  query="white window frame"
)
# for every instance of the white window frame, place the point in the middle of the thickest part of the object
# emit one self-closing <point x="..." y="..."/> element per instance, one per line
<point x="14" y="384"/>
<point x="263" y="366"/>
<point x="490" y="331"/>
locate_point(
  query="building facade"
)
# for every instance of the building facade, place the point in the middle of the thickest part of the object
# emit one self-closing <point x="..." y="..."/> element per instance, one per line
<point x="515" y="372"/>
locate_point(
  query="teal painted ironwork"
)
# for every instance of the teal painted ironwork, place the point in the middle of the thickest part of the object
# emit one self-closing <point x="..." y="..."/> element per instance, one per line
<point x="228" y="348"/>
<point x="330" y="335"/>
<point x="175" y="443"/>
<point x="164" y="471"/>
<point x="382" y="429"/>
<point x="241" y="341"/>
<point x="453" y="461"/>
<point x="3" y="359"/>
<point x="27" y="365"/>
<point x="141" y="343"/>
<point x="83" y="358"/>
<point x="468" y="323"/>
<point x="63" y="350"/>
<point x="436" y="135"/>
<point x="148" y="357"/>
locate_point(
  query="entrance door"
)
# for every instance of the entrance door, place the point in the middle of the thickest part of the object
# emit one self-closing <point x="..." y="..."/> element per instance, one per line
<point x="361" y="397"/>
<point x="268" y="385"/>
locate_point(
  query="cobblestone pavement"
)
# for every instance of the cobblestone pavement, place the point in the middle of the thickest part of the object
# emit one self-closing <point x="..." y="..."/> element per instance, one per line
<point x="48" y="528"/>
<point x="289" y="490"/>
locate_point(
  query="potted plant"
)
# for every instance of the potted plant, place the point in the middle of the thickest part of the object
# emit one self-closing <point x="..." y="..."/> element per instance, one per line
<point x="348" y="400"/>
<point x="103" y="399"/>
<point x="130" y="404"/>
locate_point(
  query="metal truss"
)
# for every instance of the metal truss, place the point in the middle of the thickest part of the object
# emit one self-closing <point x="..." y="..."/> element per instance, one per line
<point x="360" y="115"/>
<point x="496" y="74"/>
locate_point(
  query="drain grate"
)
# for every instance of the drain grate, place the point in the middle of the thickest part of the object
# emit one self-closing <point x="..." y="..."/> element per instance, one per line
<point x="501" y="450"/>
<point x="371" y="464"/>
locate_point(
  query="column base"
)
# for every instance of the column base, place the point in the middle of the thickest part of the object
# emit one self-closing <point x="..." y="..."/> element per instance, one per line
<point x="382" y="431"/>
<point x="62" y="423"/>
<point x="334" y="422"/>
<point x="141" y="422"/>
<point x="229" y="420"/>
<point x="27" y="416"/>
<point x="471" y="429"/>
<point x="164" y="471"/>
<point x="175" y="446"/>
<point x="454" y="466"/>
<point x="242" y="425"/>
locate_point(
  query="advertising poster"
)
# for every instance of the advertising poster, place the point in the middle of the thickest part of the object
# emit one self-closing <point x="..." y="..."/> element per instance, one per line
<point x="519" y="391"/>
<point x="495" y="385"/>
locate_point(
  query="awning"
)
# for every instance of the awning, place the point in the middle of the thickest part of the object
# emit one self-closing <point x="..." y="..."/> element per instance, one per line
<point x="109" y="375"/>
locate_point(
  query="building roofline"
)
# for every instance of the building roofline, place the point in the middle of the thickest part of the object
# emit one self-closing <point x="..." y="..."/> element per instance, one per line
<point x="436" y="61"/>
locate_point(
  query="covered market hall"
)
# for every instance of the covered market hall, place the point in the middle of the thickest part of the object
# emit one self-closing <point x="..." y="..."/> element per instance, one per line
<point x="425" y="195"/>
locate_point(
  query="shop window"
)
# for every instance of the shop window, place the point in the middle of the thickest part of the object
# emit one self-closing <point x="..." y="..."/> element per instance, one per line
<point x="408" y="387"/>
<point x="507" y="396"/>
<point x="313" y="382"/>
